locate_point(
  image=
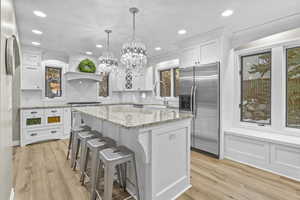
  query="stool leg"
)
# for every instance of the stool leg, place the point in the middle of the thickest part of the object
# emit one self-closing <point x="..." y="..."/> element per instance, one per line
<point x="95" y="173"/>
<point x="86" y="156"/>
<point x="76" y="155"/>
<point x="119" y="173"/>
<point x="124" y="176"/>
<point x="73" y="150"/>
<point x="70" y="144"/>
<point x="108" y="181"/>
<point x="82" y="156"/>
<point x="136" y="178"/>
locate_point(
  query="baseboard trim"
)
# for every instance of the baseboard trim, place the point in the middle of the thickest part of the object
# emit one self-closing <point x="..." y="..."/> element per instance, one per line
<point x="16" y="143"/>
<point x="12" y="194"/>
<point x="183" y="191"/>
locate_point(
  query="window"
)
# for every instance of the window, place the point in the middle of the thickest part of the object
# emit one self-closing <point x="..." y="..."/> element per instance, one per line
<point x="103" y="86"/>
<point x="293" y="87"/>
<point x="53" y="82"/>
<point x="165" y="83"/>
<point x="256" y="88"/>
<point x="176" y="82"/>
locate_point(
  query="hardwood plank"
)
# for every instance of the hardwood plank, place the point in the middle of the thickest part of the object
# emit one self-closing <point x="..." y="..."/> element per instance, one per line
<point x="41" y="171"/>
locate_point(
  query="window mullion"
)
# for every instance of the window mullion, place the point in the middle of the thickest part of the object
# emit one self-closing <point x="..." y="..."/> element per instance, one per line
<point x="277" y="89"/>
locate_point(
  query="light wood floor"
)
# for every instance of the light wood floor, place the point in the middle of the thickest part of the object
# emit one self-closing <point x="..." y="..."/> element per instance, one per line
<point x="41" y="172"/>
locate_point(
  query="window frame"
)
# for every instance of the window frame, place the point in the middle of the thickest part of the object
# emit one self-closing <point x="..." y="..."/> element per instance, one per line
<point x="285" y="50"/>
<point x="56" y="64"/>
<point x="60" y="82"/>
<point x="108" y="86"/>
<point x="174" y="81"/>
<point x="278" y="88"/>
<point x="241" y="86"/>
<point x="160" y="76"/>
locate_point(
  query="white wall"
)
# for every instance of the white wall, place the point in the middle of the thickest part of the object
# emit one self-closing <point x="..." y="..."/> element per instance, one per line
<point x="8" y="27"/>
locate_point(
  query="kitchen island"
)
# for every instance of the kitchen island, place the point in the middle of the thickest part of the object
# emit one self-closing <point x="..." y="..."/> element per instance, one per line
<point x="160" y="139"/>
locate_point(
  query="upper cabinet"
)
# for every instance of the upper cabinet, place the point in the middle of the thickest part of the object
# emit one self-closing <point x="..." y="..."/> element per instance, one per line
<point x="141" y="82"/>
<point x="204" y="53"/>
<point x="31" y="78"/>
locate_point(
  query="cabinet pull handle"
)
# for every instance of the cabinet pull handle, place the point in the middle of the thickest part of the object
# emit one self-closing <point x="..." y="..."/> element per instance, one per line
<point x="53" y="132"/>
<point x="34" y="112"/>
<point x="53" y="111"/>
<point x="33" y="134"/>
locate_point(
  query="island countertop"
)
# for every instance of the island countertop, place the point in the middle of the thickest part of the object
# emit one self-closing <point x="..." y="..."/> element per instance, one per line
<point x="129" y="116"/>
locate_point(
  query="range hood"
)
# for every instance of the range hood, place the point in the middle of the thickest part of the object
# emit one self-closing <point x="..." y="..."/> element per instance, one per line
<point x="70" y="76"/>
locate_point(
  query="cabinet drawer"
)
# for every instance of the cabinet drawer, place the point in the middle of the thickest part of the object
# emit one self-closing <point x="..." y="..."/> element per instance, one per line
<point x="39" y="134"/>
<point x="53" y="111"/>
<point x="33" y="112"/>
<point x="32" y="134"/>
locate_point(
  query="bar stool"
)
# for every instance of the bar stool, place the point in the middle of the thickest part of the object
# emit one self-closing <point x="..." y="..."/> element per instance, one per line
<point x="111" y="159"/>
<point x="80" y="140"/>
<point x="74" y="131"/>
<point x="93" y="146"/>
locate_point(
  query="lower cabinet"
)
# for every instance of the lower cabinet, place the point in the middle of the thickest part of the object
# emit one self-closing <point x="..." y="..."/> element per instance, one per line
<point x="277" y="157"/>
<point x="44" y="124"/>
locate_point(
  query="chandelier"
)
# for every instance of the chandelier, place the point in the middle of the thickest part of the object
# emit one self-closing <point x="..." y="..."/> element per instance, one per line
<point x="133" y="53"/>
<point x="107" y="61"/>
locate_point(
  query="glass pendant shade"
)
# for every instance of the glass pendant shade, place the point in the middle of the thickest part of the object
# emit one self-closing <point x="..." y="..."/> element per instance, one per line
<point x="107" y="61"/>
<point x="133" y="53"/>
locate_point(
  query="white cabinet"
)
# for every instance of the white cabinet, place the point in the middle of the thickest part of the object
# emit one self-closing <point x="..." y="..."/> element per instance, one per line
<point x="141" y="82"/>
<point x="209" y="52"/>
<point x="67" y="121"/>
<point x="204" y="53"/>
<point x="31" y="76"/>
<point x="148" y="78"/>
<point x="190" y="57"/>
<point x="44" y="124"/>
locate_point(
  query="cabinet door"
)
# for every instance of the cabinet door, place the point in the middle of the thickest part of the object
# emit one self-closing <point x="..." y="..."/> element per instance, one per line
<point x="209" y="52"/>
<point x="67" y="121"/>
<point x="190" y="57"/>
<point x="148" y="78"/>
<point x="31" y="78"/>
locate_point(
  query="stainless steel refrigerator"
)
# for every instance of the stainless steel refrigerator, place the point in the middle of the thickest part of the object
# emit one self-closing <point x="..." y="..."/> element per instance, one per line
<point x="199" y="94"/>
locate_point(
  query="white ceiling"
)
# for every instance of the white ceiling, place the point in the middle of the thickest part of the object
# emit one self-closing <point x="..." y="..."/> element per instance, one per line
<point x="74" y="26"/>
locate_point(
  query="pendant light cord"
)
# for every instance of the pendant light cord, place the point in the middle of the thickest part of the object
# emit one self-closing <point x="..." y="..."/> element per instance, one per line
<point x="107" y="41"/>
<point x="133" y="22"/>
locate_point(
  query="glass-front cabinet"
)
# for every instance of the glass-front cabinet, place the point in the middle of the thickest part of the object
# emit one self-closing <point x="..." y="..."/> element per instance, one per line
<point x="35" y="121"/>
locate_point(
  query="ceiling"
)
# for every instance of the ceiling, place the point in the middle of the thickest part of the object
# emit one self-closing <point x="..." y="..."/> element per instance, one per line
<point x="76" y="26"/>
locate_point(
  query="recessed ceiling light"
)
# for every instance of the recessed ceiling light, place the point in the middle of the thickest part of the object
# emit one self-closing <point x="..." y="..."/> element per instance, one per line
<point x="39" y="13"/>
<point x="157" y="48"/>
<point x="99" y="45"/>
<point x="89" y="53"/>
<point x="181" y="32"/>
<point x="37" y="32"/>
<point x="36" y="43"/>
<point x="227" y="13"/>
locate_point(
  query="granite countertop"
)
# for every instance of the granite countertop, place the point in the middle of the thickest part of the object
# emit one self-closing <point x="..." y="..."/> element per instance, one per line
<point x="66" y="105"/>
<point x="129" y="116"/>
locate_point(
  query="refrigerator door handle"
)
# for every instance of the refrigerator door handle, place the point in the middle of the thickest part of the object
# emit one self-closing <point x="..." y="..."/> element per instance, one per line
<point x="194" y="100"/>
<point x="191" y="100"/>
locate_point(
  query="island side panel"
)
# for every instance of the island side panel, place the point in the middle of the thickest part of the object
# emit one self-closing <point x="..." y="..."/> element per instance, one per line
<point x="170" y="159"/>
